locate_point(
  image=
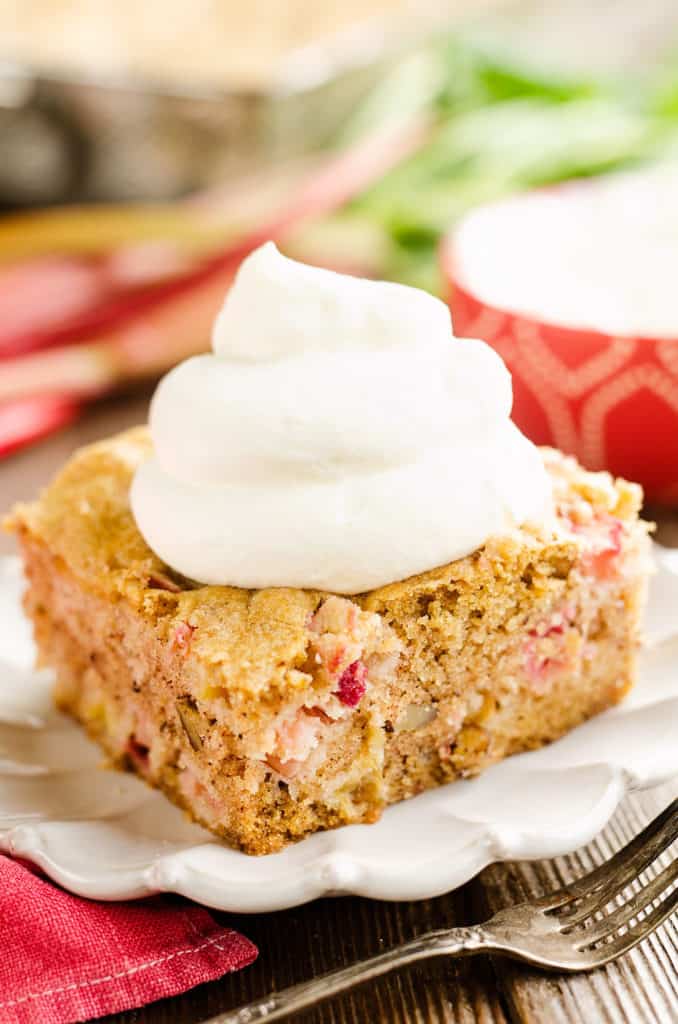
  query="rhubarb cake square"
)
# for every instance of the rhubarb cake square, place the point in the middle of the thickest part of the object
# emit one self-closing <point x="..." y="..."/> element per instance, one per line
<point x="332" y="572"/>
<point x="269" y="714"/>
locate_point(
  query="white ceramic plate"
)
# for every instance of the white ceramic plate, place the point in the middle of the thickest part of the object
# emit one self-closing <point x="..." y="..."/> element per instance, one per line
<point x="106" y="835"/>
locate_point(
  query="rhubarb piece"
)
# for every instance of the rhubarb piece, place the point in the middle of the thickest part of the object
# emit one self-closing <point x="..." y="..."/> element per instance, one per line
<point x="36" y="297"/>
<point x="26" y="420"/>
<point x="138" y="754"/>
<point x="352" y="684"/>
<point x="181" y="638"/>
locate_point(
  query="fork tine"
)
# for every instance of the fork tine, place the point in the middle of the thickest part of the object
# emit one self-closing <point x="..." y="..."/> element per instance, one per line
<point x="635" y="934"/>
<point x="633" y="907"/>
<point x="617" y="872"/>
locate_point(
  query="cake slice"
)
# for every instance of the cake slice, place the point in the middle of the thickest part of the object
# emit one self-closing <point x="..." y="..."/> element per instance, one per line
<point x="272" y="714"/>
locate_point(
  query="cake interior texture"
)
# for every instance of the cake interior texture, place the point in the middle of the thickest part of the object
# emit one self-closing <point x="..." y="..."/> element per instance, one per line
<point x="271" y="714"/>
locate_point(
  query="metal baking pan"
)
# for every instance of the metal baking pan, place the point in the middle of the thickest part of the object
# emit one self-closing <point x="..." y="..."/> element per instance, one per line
<point x="67" y="137"/>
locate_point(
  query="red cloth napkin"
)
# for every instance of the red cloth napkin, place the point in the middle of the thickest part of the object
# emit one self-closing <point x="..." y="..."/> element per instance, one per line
<point x="66" y="959"/>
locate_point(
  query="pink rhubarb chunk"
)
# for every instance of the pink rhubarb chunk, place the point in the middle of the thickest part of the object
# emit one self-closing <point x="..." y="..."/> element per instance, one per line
<point x="138" y="753"/>
<point x="352" y="684"/>
<point x="602" y="562"/>
<point x="181" y="638"/>
<point x="540" y="667"/>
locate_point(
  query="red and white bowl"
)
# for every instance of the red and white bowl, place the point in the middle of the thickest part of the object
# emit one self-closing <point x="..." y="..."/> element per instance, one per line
<point x="576" y="287"/>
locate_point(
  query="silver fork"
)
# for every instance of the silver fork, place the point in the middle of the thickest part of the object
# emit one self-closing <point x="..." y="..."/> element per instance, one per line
<point x="579" y="927"/>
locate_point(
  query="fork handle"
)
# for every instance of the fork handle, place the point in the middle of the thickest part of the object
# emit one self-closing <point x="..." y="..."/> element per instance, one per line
<point x="448" y="942"/>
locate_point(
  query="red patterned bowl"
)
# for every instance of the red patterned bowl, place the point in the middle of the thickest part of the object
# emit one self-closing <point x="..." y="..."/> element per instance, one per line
<point x="609" y="397"/>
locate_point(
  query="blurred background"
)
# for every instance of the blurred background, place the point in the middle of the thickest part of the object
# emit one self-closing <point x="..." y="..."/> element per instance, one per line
<point x="147" y="147"/>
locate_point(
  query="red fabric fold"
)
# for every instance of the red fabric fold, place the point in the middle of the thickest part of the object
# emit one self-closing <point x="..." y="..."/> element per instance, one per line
<point x="67" y="959"/>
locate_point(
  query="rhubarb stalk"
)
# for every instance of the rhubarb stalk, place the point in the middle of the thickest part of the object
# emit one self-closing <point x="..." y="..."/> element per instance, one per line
<point x="150" y="329"/>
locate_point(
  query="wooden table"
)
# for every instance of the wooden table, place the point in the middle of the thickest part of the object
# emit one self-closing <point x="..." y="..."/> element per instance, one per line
<point x="641" y="987"/>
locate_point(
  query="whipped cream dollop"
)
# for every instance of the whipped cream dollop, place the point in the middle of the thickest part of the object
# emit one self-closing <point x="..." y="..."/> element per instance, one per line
<point x="337" y="438"/>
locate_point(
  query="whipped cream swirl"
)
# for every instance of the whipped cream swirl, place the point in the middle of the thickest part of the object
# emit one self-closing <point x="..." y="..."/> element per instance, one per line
<point x="338" y="438"/>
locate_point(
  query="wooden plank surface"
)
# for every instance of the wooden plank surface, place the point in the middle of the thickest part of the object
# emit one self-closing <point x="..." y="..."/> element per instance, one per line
<point x="641" y="989"/>
<point x="296" y="944"/>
